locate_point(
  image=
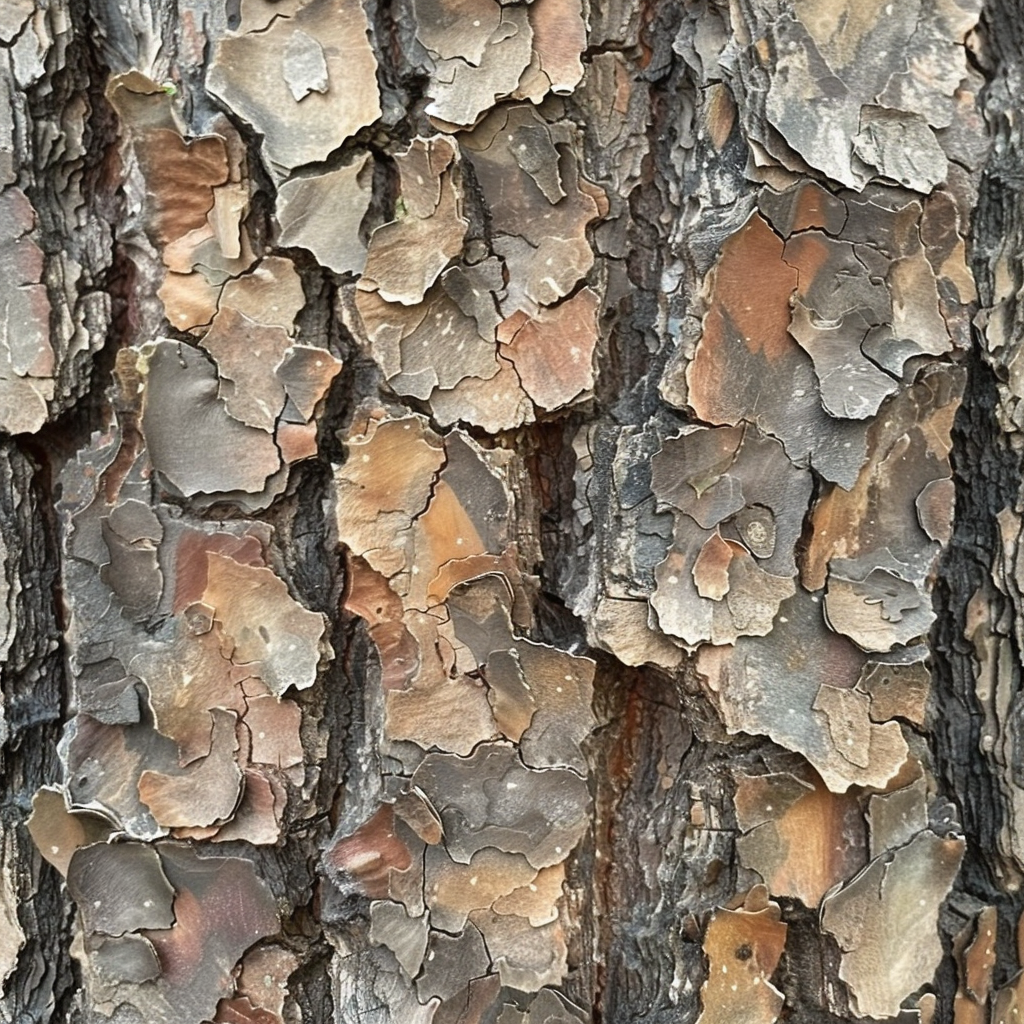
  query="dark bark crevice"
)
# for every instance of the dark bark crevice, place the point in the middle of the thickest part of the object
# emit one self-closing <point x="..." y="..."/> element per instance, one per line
<point x="35" y="691"/>
<point x="987" y="464"/>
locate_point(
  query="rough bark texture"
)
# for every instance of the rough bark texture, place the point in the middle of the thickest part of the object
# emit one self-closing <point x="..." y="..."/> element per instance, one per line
<point x="510" y="512"/>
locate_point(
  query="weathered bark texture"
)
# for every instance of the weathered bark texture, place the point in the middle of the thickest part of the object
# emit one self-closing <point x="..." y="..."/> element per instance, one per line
<point x="510" y="511"/>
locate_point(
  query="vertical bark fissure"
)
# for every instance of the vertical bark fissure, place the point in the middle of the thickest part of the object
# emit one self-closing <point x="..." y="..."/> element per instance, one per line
<point x="988" y="463"/>
<point x="35" y="694"/>
<point x="46" y="982"/>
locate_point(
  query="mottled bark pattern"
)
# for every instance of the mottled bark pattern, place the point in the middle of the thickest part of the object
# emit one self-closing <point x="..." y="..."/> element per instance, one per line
<point x="510" y="512"/>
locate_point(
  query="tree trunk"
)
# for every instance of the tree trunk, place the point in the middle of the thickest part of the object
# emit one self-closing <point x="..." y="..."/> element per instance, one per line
<point x="510" y="512"/>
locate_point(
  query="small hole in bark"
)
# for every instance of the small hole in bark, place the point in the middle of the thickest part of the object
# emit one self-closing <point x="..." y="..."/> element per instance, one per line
<point x="744" y="952"/>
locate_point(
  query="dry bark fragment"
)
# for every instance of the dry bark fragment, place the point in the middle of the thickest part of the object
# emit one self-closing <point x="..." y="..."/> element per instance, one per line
<point x="102" y="765"/>
<point x="878" y="571"/>
<point x="883" y="317"/>
<point x="548" y="1006"/>
<point x="839" y="63"/>
<point x="192" y="439"/>
<point x="274" y="727"/>
<point x="865" y="302"/>
<point x="790" y="685"/>
<point x="321" y="50"/>
<point x="559" y="40"/>
<point x="205" y="793"/>
<point x="427" y="346"/>
<point x="120" y="887"/>
<point x="902" y="146"/>
<point x="304" y="66"/>
<point x="464" y="519"/>
<point x="185" y="680"/>
<point x="265" y="975"/>
<point x="58" y="832"/>
<point x="897" y="816"/>
<point x="878" y="611"/>
<point x="624" y="628"/>
<point x="366" y="859"/>
<point x="477" y="1002"/>
<point x="189" y="300"/>
<point x="851" y="386"/>
<point x="461" y="91"/>
<point x="553" y="351"/>
<point x="450" y="29"/>
<point x="382" y="487"/>
<point x="743" y="948"/>
<point x="809" y="205"/>
<point x="494" y="403"/>
<point x="182" y="972"/>
<point x="306" y="372"/>
<point x="899" y="686"/>
<point x="748" y="368"/>
<point x="391" y="925"/>
<point x="738" y="505"/>
<point x="450" y="960"/>
<point x="127" y="958"/>
<point x="453" y="890"/>
<point x="13" y="18"/>
<point x="258" y="814"/>
<point x="468" y="518"/>
<point x="450" y="714"/>
<point x="241" y="1011"/>
<point x="441" y="343"/>
<point x="245" y="353"/>
<point x="406" y="255"/>
<point x="183" y="178"/>
<point x="525" y="956"/>
<point x="369" y="596"/>
<point x="187" y="556"/>
<point x="271" y="293"/>
<point x="221" y="909"/>
<point x="132" y="534"/>
<point x="194" y="198"/>
<point x="543" y="244"/>
<point x="480" y="612"/>
<point x="419" y="814"/>
<point x="798" y="836"/>
<point x="541" y="815"/>
<point x="180" y="180"/>
<point x="538" y="900"/>
<point x="975" y="952"/>
<point x="885" y="922"/>
<point x="562" y="690"/>
<point x="474" y="289"/>
<point x="323" y="214"/>
<point x="27" y="360"/>
<point x="262" y="626"/>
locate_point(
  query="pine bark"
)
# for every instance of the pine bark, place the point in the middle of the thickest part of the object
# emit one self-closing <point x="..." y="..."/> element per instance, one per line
<point x="408" y="405"/>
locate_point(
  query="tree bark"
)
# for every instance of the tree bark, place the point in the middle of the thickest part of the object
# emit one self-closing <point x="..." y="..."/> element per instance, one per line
<point x="510" y="512"/>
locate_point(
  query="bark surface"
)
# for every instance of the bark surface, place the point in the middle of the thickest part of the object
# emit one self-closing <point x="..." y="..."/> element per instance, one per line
<point x="510" y="512"/>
